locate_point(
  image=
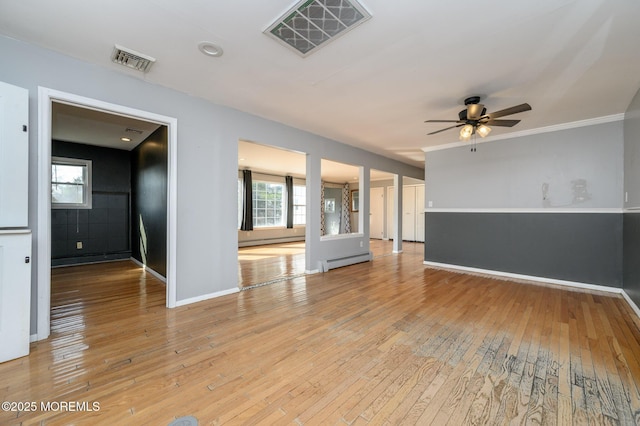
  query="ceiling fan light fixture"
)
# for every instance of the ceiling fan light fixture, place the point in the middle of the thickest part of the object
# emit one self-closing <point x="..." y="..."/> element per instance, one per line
<point x="465" y="132"/>
<point x="483" y="130"/>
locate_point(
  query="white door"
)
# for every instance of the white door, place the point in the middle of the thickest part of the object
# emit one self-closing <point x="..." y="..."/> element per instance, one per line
<point x="14" y="156"/>
<point x="376" y="213"/>
<point x="391" y="212"/>
<point x="420" y="213"/>
<point x="15" y="293"/>
<point x="409" y="213"/>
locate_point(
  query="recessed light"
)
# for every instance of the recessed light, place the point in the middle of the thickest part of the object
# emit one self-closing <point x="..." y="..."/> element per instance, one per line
<point x="125" y="139"/>
<point x="210" y="49"/>
<point x="241" y="159"/>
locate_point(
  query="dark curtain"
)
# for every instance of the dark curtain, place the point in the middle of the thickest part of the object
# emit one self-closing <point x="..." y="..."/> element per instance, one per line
<point x="247" y="202"/>
<point x="288" y="180"/>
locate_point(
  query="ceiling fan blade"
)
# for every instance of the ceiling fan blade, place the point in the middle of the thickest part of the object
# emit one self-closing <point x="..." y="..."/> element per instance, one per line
<point x="442" y="121"/>
<point x="442" y="130"/>
<point x="474" y="111"/>
<point x="502" y="123"/>
<point x="508" y="111"/>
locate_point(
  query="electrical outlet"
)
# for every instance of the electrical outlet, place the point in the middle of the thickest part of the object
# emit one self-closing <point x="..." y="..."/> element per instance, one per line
<point x="430" y="203"/>
<point x="79" y="245"/>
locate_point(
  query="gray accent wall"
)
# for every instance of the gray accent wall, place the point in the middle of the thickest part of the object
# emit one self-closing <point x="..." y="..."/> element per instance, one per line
<point x="102" y="230"/>
<point x="149" y="201"/>
<point x="207" y="162"/>
<point x="631" y="260"/>
<point x="632" y="189"/>
<point x="583" y="247"/>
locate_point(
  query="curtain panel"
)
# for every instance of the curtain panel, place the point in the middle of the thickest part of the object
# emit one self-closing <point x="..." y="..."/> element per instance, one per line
<point x="247" y="201"/>
<point x="346" y="208"/>
<point x="288" y="180"/>
<point x="323" y="230"/>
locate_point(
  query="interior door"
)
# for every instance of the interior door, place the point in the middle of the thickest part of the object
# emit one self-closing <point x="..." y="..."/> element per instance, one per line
<point x="409" y="213"/>
<point x="376" y="213"/>
<point x="15" y="293"/>
<point x="420" y="213"/>
<point x="391" y="234"/>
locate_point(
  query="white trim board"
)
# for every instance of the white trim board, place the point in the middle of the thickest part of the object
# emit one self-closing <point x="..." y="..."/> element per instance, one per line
<point x="207" y="297"/>
<point x="533" y="279"/>
<point x="547" y="129"/>
<point x="43" y="272"/>
<point x="149" y="270"/>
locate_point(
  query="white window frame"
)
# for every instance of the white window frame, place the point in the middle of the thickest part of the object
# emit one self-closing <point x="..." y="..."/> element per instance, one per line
<point x="304" y="217"/>
<point x="87" y="184"/>
<point x="283" y="200"/>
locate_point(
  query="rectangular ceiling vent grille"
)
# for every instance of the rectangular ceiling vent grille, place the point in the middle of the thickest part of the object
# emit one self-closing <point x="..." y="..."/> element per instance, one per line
<point x="131" y="58"/>
<point x="310" y="24"/>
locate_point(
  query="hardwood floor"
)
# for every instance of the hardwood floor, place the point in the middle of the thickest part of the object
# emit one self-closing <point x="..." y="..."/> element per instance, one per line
<point x="274" y="262"/>
<point x="388" y="341"/>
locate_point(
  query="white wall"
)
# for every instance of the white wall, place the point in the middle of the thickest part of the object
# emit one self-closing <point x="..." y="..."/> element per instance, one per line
<point x="207" y="237"/>
<point x="510" y="173"/>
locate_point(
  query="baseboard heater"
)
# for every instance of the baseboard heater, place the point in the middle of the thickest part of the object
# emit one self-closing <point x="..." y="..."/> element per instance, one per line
<point x="346" y="261"/>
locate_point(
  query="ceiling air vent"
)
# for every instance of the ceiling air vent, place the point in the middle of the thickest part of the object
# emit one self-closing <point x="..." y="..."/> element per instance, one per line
<point x="310" y="24"/>
<point x="131" y="58"/>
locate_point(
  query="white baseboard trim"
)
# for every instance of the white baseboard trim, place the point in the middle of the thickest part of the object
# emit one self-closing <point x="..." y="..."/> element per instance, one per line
<point x="149" y="270"/>
<point x="534" y="279"/>
<point x="631" y="303"/>
<point x="33" y="338"/>
<point x="207" y="297"/>
<point x="396" y="251"/>
<point x="267" y="241"/>
<point x="312" y="271"/>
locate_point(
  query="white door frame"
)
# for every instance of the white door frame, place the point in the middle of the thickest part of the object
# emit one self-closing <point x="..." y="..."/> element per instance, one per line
<point x="43" y="272"/>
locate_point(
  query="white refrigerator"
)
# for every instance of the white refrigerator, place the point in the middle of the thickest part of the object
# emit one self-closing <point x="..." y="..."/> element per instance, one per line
<point x="15" y="236"/>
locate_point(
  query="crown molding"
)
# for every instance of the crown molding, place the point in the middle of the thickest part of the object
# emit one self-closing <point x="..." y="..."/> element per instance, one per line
<point x="529" y="132"/>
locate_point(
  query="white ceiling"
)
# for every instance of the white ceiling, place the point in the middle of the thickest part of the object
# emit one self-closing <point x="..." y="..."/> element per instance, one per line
<point x="374" y="87"/>
<point x="267" y="159"/>
<point x="81" y="125"/>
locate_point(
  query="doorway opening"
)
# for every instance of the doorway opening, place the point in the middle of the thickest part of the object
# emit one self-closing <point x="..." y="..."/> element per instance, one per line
<point x="46" y="100"/>
<point x="271" y="214"/>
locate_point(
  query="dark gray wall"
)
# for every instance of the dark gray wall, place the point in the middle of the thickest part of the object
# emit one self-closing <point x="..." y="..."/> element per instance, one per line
<point x="632" y="256"/>
<point x="580" y="247"/>
<point x="149" y="201"/>
<point x="103" y="229"/>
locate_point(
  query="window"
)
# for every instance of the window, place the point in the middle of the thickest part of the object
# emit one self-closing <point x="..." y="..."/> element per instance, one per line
<point x="268" y="204"/>
<point x="70" y="183"/>
<point x="299" y="205"/>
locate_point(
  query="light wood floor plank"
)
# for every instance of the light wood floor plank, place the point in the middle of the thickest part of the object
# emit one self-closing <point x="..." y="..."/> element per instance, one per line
<point x="383" y="342"/>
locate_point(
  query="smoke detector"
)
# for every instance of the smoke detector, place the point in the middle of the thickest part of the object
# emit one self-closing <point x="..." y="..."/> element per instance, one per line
<point x="131" y="59"/>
